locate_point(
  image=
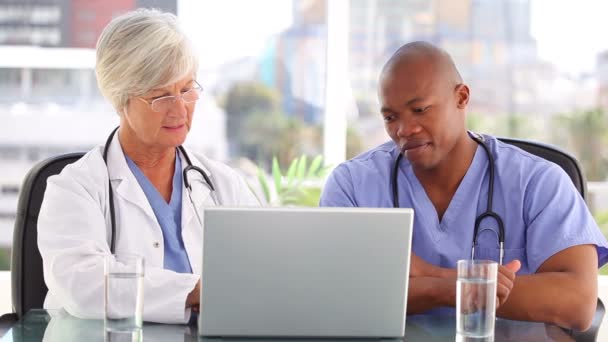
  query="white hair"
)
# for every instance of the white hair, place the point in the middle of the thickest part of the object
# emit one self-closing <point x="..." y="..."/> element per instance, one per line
<point x="139" y="51"/>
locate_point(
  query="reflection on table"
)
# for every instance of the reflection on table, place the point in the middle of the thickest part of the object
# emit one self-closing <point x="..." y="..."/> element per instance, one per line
<point x="58" y="325"/>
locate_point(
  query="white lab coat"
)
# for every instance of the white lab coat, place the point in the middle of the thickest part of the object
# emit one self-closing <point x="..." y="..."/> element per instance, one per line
<point x="74" y="232"/>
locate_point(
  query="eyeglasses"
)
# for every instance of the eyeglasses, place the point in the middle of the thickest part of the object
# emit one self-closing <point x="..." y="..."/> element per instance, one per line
<point x="163" y="104"/>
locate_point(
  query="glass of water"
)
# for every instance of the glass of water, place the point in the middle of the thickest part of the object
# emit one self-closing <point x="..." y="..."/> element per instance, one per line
<point x="123" y="296"/>
<point x="476" y="299"/>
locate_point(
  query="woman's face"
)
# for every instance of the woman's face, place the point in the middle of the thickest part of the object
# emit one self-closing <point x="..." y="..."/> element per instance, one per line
<point x="166" y="127"/>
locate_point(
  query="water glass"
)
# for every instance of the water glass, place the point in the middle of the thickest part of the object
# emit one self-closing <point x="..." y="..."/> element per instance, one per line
<point x="123" y="296"/>
<point x="476" y="299"/>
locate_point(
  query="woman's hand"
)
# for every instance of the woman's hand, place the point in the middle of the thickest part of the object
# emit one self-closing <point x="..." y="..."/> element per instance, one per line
<point x="194" y="297"/>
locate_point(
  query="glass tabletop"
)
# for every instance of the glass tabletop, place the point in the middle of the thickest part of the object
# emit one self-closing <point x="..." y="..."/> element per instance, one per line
<point x="58" y="325"/>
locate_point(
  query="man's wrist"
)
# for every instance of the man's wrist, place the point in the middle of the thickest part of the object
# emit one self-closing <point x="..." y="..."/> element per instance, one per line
<point x="447" y="273"/>
<point x="441" y="291"/>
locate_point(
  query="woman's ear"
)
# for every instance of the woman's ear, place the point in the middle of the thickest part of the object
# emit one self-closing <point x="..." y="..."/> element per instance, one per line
<point x="124" y="110"/>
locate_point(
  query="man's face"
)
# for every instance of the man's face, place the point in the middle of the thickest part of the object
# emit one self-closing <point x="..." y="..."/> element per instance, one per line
<point x="423" y="112"/>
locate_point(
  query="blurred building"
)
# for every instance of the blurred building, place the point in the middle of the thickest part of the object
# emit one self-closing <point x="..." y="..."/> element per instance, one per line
<point x="377" y="29"/>
<point x="294" y="61"/>
<point x="49" y="100"/>
<point x="489" y="40"/>
<point x="40" y="22"/>
<point x="87" y="18"/>
<point x="64" y="23"/>
<point x="602" y="77"/>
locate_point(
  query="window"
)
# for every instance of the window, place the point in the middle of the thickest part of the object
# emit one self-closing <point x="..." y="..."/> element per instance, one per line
<point x="266" y="79"/>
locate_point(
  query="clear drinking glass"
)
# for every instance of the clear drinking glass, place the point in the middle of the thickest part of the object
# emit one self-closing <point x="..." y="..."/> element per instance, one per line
<point x="476" y="298"/>
<point x="123" y="296"/>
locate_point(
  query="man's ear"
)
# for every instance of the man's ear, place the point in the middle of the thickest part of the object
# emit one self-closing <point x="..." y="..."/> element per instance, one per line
<point x="462" y="95"/>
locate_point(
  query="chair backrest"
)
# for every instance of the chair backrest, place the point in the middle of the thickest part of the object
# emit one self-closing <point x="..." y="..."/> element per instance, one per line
<point x="28" y="287"/>
<point x="574" y="170"/>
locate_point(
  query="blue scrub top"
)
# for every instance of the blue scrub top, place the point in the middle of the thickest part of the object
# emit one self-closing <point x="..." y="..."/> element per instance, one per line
<point x="168" y="215"/>
<point x="542" y="211"/>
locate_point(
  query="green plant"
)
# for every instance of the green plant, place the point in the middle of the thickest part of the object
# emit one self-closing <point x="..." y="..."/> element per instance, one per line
<point x="584" y="133"/>
<point x="602" y="221"/>
<point x="5" y="259"/>
<point x="241" y="101"/>
<point x="299" y="186"/>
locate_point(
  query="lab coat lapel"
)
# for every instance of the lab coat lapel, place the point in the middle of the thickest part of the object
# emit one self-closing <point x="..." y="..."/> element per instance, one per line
<point x="123" y="180"/>
<point x="192" y="230"/>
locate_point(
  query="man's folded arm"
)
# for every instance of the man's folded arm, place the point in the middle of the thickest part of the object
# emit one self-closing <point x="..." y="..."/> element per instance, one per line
<point x="426" y="293"/>
<point x="563" y="291"/>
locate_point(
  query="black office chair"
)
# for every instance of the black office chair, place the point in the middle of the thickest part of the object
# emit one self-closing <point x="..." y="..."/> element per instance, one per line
<point x="27" y="280"/>
<point x="574" y="170"/>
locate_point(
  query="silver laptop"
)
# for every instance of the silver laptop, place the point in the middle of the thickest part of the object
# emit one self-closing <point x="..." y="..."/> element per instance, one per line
<point x="306" y="272"/>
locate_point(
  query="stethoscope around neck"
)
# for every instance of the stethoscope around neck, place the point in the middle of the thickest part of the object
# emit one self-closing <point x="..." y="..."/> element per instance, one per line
<point x="489" y="213"/>
<point x="187" y="184"/>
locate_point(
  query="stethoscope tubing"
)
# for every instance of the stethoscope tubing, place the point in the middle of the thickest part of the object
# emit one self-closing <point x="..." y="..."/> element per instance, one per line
<point x="187" y="184"/>
<point x="489" y="213"/>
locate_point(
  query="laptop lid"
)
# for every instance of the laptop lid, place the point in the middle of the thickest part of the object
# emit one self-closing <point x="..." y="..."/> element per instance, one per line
<point x="305" y="272"/>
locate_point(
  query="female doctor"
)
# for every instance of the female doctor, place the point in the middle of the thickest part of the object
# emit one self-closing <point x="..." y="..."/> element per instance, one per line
<point x="146" y="68"/>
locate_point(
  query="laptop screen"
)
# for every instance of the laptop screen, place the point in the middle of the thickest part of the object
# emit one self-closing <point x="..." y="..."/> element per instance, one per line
<point x="305" y="272"/>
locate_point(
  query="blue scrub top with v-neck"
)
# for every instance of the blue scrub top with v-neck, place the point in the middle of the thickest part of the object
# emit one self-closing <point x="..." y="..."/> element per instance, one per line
<point x="168" y="215"/>
<point x="542" y="211"/>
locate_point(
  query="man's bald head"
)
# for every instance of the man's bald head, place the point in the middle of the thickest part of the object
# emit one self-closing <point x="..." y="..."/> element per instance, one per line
<point x="423" y="103"/>
<point x="424" y="54"/>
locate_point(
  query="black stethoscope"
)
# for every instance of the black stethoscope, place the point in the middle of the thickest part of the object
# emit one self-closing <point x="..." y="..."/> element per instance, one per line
<point x="488" y="213"/>
<point x="186" y="183"/>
